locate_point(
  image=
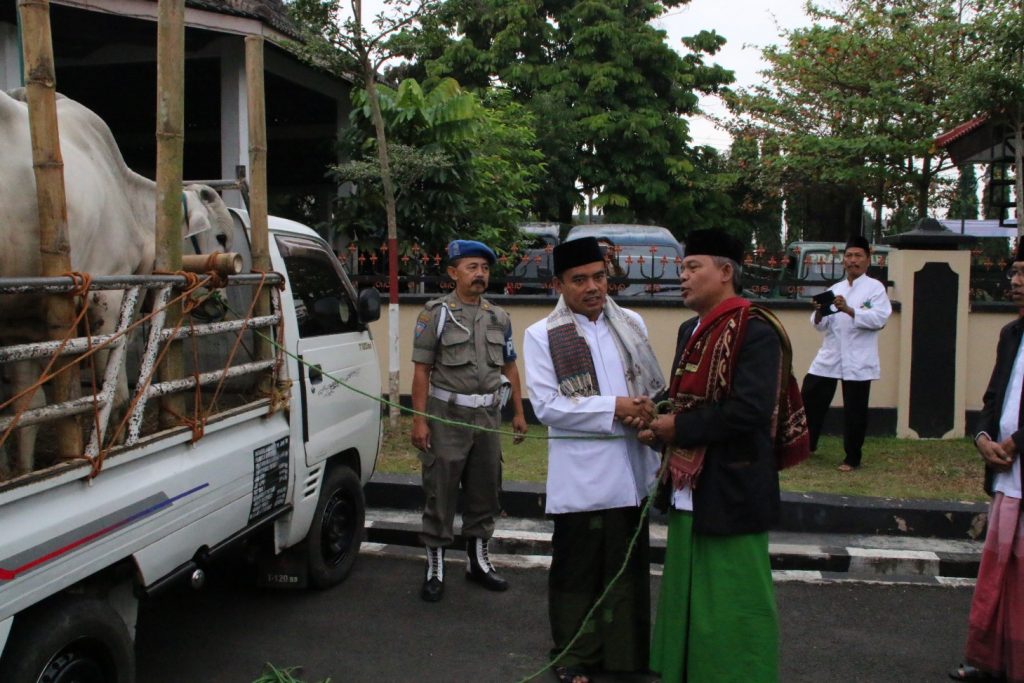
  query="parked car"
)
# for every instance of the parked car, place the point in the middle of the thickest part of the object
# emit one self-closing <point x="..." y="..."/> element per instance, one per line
<point x="532" y="272"/>
<point x="642" y="259"/>
<point x="812" y="267"/>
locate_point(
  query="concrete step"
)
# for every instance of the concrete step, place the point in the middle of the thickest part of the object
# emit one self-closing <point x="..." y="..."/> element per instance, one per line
<point x="527" y="541"/>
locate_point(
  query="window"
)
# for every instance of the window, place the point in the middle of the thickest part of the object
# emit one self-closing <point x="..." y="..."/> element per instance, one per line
<point x="322" y="295"/>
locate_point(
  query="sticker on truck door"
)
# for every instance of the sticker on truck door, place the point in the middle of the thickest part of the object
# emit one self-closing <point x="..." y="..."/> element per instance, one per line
<point x="270" y="478"/>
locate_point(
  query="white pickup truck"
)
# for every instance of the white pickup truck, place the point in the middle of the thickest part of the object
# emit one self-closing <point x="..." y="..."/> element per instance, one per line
<point x="282" y="470"/>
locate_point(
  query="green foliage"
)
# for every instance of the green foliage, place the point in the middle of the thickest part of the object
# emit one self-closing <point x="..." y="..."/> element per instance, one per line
<point x="461" y="164"/>
<point x="854" y="101"/>
<point x="607" y="94"/>
<point x="963" y="203"/>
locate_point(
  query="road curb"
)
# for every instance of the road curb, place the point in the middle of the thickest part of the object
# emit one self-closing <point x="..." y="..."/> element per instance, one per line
<point x="849" y="556"/>
<point x="815" y="513"/>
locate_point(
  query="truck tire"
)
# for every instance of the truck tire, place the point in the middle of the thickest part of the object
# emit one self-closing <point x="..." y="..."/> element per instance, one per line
<point x="73" y="639"/>
<point x="337" y="529"/>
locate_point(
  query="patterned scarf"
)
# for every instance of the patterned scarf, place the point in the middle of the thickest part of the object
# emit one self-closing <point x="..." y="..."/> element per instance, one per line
<point x="705" y="373"/>
<point x="574" y="365"/>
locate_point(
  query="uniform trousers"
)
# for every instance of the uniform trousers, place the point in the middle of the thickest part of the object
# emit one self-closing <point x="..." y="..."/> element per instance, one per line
<point x="460" y="455"/>
<point x="817" y="393"/>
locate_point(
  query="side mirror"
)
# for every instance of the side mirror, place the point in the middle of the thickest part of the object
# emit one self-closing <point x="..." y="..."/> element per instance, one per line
<point x="369" y="305"/>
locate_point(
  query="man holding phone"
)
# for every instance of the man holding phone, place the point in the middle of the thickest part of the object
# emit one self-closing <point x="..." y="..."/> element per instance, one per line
<point x="850" y="315"/>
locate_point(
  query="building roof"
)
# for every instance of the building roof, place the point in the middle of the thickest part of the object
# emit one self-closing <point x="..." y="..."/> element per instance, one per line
<point x="983" y="139"/>
<point x="270" y="12"/>
<point x="960" y="131"/>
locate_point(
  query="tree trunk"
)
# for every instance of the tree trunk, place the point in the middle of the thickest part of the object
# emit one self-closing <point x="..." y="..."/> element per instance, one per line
<point x="922" y="187"/>
<point x="392" y="219"/>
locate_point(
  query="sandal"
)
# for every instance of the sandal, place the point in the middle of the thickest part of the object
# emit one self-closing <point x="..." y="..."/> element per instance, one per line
<point x="571" y="674"/>
<point x="846" y="468"/>
<point x="966" y="672"/>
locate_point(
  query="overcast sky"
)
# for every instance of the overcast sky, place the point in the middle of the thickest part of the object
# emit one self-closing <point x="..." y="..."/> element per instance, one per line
<point x="748" y="26"/>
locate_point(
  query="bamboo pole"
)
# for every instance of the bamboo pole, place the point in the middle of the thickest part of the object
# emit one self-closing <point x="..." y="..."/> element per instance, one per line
<point x="48" y="167"/>
<point x="170" y="151"/>
<point x="258" y="175"/>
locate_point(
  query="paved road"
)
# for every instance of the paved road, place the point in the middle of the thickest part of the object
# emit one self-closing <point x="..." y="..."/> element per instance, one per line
<point x="374" y="627"/>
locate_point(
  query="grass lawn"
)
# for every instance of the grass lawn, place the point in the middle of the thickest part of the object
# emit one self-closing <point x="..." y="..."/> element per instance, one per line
<point x="892" y="468"/>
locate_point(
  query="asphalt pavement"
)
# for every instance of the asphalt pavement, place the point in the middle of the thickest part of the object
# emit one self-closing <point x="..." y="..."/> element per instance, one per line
<point x="374" y="627"/>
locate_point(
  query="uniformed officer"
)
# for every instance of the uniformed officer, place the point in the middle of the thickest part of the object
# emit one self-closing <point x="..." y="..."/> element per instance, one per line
<point x="463" y="355"/>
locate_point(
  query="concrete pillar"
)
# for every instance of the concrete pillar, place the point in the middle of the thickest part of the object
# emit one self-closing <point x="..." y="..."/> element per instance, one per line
<point x="931" y="279"/>
<point x="234" y="119"/>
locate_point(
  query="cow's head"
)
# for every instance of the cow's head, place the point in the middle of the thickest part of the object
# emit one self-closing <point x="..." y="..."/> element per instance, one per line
<point x="208" y="225"/>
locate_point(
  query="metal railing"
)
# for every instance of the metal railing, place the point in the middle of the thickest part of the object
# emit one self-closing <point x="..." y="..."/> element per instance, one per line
<point x="115" y="345"/>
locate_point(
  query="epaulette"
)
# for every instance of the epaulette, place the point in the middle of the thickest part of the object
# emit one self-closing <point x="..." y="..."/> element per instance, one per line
<point x="433" y="303"/>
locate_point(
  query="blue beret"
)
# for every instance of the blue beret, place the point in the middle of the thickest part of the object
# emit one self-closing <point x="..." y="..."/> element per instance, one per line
<point x="461" y="248"/>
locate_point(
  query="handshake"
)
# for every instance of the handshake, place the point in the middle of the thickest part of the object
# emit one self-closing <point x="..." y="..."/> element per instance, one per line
<point x="641" y="414"/>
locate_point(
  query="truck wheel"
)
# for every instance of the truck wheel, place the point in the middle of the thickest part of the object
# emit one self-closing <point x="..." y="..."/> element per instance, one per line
<point x="71" y="640"/>
<point x="337" y="529"/>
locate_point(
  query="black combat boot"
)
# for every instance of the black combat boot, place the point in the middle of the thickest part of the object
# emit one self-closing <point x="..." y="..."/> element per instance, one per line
<point x="479" y="567"/>
<point x="433" y="585"/>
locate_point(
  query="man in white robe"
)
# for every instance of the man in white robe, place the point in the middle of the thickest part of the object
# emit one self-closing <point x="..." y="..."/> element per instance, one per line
<point x="589" y="368"/>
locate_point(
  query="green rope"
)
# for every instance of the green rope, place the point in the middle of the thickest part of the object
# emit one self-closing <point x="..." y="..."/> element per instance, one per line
<point x="435" y="418"/>
<point x="632" y="542"/>
<point x="601" y="598"/>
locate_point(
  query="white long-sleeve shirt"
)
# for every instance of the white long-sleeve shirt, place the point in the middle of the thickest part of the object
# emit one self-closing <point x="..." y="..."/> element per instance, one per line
<point x="587" y="474"/>
<point x="850" y="348"/>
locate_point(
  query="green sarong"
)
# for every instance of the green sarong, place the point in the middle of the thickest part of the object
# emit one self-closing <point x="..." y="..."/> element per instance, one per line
<point x="588" y="550"/>
<point x="717" y="621"/>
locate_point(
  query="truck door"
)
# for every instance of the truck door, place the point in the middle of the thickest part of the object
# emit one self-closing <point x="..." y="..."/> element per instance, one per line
<point x="336" y="353"/>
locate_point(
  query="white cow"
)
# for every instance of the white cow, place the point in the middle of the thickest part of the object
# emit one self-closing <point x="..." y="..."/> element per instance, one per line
<point x="111" y="218"/>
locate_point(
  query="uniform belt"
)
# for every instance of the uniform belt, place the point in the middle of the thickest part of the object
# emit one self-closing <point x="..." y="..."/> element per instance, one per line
<point x="464" y="400"/>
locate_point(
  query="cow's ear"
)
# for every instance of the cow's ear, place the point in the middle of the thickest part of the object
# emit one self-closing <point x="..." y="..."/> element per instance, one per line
<point x="208" y="195"/>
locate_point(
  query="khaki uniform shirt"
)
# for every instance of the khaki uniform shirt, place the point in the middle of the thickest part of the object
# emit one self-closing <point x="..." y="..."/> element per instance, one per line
<point x="476" y="341"/>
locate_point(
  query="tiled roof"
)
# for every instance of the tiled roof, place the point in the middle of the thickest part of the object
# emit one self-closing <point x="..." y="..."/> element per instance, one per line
<point x="270" y="12"/>
<point x="960" y="131"/>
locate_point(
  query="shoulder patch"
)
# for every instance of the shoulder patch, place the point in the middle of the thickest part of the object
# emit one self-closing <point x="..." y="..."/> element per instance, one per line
<point x="421" y="323"/>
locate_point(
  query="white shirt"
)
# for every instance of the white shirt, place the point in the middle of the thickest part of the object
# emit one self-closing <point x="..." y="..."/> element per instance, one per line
<point x="587" y="474"/>
<point x="1009" y="482"/>
<point x="850" y="348"/>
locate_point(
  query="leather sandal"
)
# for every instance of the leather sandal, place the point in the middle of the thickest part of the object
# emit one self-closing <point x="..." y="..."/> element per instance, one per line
<point x="571" y="674"/>
<point x="966" y="672"/>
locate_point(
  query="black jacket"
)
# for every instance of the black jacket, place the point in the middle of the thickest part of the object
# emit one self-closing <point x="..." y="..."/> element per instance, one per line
<point x="737" y="491"/>
<point x="992" y="401"/>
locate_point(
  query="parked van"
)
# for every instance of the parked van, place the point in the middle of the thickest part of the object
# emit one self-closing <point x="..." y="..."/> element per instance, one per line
<point x="812" y="267"/>
<point x="643" y="259"/>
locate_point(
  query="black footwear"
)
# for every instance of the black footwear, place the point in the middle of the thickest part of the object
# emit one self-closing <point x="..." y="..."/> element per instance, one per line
<point x="433" y="584"/>
<point x="479" y="567"/>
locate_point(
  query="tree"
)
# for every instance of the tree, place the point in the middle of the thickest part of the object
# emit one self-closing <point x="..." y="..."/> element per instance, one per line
<point x="607" y="92"/>
<point x="994" y="83"/>
<point x="461" y="165"/>
<point x="964" y="201"/>
<point x="339" y="40"/>
<point x="855" y="100"/>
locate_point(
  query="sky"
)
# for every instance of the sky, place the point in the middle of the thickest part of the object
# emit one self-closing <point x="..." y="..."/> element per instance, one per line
<point x="747" y="26"/>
